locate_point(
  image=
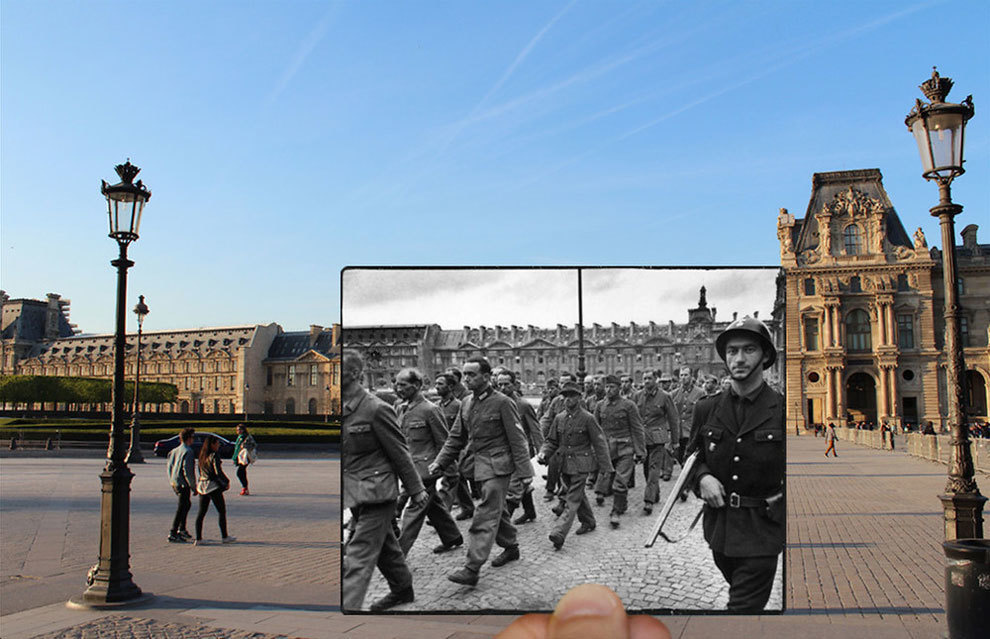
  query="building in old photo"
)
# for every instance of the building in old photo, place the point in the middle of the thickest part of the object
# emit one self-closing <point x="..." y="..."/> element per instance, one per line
<point x="257" y="368"/>
<point x="864" y="309"/>
<point x="541" y="353"/>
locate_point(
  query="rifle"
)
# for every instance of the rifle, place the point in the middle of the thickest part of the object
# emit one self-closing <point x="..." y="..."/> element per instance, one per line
<point x="687" y="470"/>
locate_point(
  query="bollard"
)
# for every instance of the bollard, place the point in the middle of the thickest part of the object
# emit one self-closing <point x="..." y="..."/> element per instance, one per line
<point x="967" y="587"/>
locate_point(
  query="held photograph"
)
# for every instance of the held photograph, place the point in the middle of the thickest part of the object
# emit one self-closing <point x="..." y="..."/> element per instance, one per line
<point x="509" y="433"/>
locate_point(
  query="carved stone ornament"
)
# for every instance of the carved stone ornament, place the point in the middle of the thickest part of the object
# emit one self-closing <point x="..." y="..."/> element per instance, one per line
<point x="919" y="239"/>
<point x="825" y="233"/>
<point x="904" y="253"/>
<point x="854" y="204"/>
<point x="809" y="256"/>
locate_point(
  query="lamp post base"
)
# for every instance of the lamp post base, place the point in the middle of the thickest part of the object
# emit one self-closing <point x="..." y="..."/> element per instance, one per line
<point x="963" y="515"/>
<point x="134" y="455"/>
<point x="80" y="602"/>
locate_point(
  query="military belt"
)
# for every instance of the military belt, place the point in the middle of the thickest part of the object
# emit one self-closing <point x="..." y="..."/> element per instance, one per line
<point x="741" y="501"/>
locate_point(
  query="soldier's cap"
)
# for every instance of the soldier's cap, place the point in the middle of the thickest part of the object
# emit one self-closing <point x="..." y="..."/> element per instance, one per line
<point x="611" y="379"/>
<point x="666" y="378"/>
<point x="571" y="388"/>
<point x="749" y="327"/>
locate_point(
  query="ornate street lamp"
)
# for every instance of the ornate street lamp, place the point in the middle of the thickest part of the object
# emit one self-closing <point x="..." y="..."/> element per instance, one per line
<point x="938" y="129"/>
<point x="247" y="391"/>
<point x="134" y="455"/>
<point x="110" y="583"/>
<point x="582" y="371"/>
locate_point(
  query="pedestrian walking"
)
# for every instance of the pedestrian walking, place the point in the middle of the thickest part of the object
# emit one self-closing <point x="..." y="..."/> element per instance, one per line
<point x="245" y="454"/>
<point x="453" y="486"/>
<point x="374" y="455"/>
<point x="685" y="397"/>
<point x="519" y="493"/>
<point x="181" y="464"/>
<point x="425" y="430"/>
<point x="623" y="427"/>
<point x="830" y="438"/>
<point x="211" y="485"/>
<point x="740" y="445"/>
<point x="580" y="443"/>
<point x="489" y="425"/>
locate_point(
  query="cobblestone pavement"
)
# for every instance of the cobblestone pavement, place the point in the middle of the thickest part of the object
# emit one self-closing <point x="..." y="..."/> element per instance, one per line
<point x="121" y="627"/>
<point x="679" y="576"/>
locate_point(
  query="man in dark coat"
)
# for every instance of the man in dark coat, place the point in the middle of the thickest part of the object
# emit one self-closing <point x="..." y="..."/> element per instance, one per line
<point x="740" y="467"/>
<point x="453" y="485"/>
<point x="488" y="425"/>
<point x="546" y="420"/>
<point x="518" y="493"/>
<point x="620" y="420"/>
<point x="426" y="431"/>
<point x="374" y="455"/>
<point x="685" y="397"/>
<point x="661" y="428"/>
<point x="580" y="443"/>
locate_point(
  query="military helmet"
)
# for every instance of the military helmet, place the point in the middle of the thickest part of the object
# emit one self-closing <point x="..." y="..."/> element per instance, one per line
<point x="749" y="326"/>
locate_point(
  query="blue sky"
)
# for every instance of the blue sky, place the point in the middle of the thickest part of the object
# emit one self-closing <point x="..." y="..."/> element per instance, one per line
<point x="283" y="141"/>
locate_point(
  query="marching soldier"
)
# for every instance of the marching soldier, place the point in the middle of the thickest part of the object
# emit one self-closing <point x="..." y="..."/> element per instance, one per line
<point x="626" y="389"/>
<point x="740" y="443"/>
<point x="591" y="402"/>
<point x="519" y="493"/>
<point x="488" y="425"/>
<point x="453" y="485"/>
<point x="661" y="426"/>
<point x="374" y="454"/>
<point x="460" y="392"/>
<point x="546" y="420"/>
<point x="580" y="442"/>
<point x="712" y="386"/>
<point x="685" y="397"/>
<point x="623" y="427"/>
<point x="426" y="431"/>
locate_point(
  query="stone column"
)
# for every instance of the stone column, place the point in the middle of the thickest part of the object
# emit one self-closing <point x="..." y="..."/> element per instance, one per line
<point x="882" y="403"/>
<point x="890" y="324"/>
<point x="894" y="412"/>
<point x="829" y="392"/>
<point x="827" y="326"/>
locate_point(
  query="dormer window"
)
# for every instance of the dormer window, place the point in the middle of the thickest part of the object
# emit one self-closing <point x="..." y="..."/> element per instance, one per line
<point x="852" y="238"/>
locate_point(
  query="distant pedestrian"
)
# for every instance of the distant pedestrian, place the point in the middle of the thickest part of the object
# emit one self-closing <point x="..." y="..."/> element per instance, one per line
<point x="830" y="439"/>
<point x="211" y="486"/>
<point x="182" y="476"/>
<point x="245" y="454"/>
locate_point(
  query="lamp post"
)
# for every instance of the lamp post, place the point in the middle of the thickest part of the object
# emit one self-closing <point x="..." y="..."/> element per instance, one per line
<point x="134" y="455"/>
<point x="938" y="128"/>
<point x="582" y="370"/>
<point x="326" y="417"/>
<point x="247" y="391"/>
<point x="110" y="583"/>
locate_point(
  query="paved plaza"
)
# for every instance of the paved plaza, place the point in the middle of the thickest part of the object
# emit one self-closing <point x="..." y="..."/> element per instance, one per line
<point x="864" y="557"/>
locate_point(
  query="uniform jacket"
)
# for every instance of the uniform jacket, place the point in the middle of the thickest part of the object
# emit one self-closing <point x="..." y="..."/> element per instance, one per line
<point x="546" y="419"/>
<point x="580" y="441"/>
<point x="661" y="421"/>
<point x="685" y="402"/>
<point x="425" y="430"/>
<point x="748" y="458"/>
<point x="488" y="427"/>
<point x="622" y="425"/>
<point x="375" y="453"/>
<point x="449" y="407"/>
<point x="531" y="426"/>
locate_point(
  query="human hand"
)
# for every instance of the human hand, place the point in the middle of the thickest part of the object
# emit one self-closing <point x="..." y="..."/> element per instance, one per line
<point x="420" y="498"/>
<point x="712" y="491"/>
<point x="588" y="610"/>
<point x="433" y="469"/>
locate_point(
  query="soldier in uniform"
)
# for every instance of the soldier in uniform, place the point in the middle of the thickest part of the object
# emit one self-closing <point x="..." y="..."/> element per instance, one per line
<point x="712" y="386"/>
<point x="519" y="493"/>
<point x="591" y="402"/>
<point x="374" y="454"/>
<point x="740" y="476"/>
<point x="623" y="427"/>
<point x="661" y="426"/>
<point x="666" y="383"/>
<point x="685" y="397"/>
<point x="488" y="425"/>
<point x="453" y="485"/>
<point x="460" y="392"/>
<point x="426" y="431"/>
<point x="580" y="442"/>
<point x="546" y="420"/>
<point x="626" y="390"/>
<point x="549" y="392"/>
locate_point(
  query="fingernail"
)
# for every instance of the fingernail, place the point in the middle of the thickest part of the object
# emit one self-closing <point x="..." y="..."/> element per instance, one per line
<point x="586" y="600"/>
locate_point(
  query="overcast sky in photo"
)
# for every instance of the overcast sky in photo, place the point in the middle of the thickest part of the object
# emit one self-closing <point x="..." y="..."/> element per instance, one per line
<point x="547" y="297"/>
<point x="285" y="141"/>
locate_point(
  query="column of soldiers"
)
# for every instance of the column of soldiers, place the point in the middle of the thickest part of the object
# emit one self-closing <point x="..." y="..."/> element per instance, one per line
<point x="477" y="442"/>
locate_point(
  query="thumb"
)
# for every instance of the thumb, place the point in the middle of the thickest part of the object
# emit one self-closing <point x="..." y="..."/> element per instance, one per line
<point x="589" y="610"/>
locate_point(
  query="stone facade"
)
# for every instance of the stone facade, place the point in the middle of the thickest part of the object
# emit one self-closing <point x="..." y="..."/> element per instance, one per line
<point x="222" y="370"/>
<point x="863" y="304"/>
<point x="541" y="353"/>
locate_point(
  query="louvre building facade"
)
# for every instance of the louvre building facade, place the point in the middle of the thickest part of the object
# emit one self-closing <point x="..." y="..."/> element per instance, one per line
<point x="540" y="353"/>
<point x="864" y="309"/>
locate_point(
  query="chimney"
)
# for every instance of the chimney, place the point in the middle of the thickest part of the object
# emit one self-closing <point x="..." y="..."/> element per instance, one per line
<point x="670" y="328"/>
<point x="498" y="332"/>
<point x="335" y="334"/>
<point x="530" y="332"/>
<point x="515" y="333"/>
<point x="558" y="336"/>
<point x="969" y="237"/>
<point x="714" y="311"/>
<point x="756" y="315"/>
<point x="653" y="328"/>
<point x="734" y="315"/>
<point x="51" y="317"/>
<point x="314" y="333"/>
<point x="482" y="334"/>
<point x="613" y="330"/>
<point x="594" y="330"/>
<point x="466" y="336"/>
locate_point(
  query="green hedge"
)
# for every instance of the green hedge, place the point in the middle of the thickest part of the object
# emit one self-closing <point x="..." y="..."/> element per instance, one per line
<point x="43" y="389"/>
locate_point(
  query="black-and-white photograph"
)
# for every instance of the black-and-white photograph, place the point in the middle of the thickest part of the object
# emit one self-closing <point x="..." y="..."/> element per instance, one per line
<point x="510" y="433"/>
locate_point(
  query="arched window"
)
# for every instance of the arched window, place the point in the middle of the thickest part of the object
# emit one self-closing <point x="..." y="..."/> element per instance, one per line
<point x="852" y="238"/>
<point x="312" y="406"/>
<point x="858" y="331"/>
